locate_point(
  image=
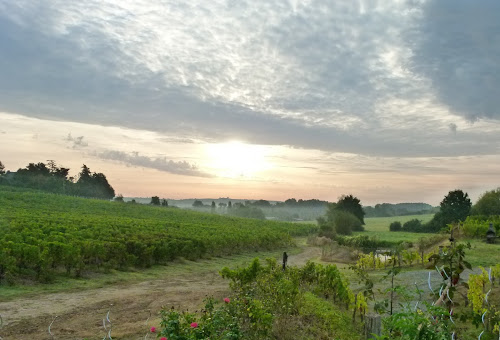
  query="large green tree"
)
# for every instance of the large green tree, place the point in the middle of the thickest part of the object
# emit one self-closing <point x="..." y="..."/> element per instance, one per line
<point x="2" y="168"/>
<point x="455" y="207"/>
<point x="488" y="204"/>
<point x="351" y="205"/>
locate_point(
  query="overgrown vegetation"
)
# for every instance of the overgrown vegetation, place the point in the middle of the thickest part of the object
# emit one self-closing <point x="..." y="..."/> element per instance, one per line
<point x="268" y="302"/>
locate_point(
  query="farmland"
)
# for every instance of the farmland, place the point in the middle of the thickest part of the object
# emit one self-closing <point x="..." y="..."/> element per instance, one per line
<point x="44" y="235"/>
<point x="132" y="260"/>
<point x="379" y="227"/>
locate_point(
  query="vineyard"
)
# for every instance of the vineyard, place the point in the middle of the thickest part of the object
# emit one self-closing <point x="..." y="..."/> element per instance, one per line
<point x="42" y="235"/>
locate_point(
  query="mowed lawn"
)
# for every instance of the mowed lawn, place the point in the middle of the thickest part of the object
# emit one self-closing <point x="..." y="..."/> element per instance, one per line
<point x="379" y="227"/>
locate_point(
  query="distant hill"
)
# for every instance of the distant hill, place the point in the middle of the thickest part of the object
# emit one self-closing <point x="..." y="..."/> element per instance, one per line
<point x="399" y="209"/>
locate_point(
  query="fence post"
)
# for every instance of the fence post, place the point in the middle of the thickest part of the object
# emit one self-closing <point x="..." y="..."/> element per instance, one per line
<point x="373" y="325"/>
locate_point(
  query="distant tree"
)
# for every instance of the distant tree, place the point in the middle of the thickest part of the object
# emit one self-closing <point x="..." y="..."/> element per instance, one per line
<point x="85" y="176"/>
<point x="345" y="223"/>
<point x="488" y="204"/>
<point x="2" y="168"/>
<point x="240" y="210"/>
<point x="222" y="205"/>
<point x="94" y="185"/>
<point x="455" y="206"/>
<point x="35" y="169"/>
<point x="262" y="204"/>
<point x="197" y="204"/>
<point x="326" y="228"/>
<point x="164" y="203"/>
<point x="414" y="225"/>
<point x="338" y="221"/>
<point x="102" y="187"/>
<point x="291" y="202"/>
<point x="132" y="201"/>
<point x="229" y="205"/>
<point x="155" y="200"/>
<point x="119" y="198"/>
<point x="395" y="226"/>
<point x="212" y="206"/>
<point x="352" y="205"/>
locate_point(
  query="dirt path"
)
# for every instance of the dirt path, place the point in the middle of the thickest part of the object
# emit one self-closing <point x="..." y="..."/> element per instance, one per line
<point x="80" y="314"/>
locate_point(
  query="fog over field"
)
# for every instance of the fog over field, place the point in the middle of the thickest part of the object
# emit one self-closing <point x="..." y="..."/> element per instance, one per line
<point x="393" y="101"/>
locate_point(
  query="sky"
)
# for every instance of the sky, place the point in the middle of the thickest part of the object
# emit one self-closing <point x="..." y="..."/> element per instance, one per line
<point x="391" y="100"/>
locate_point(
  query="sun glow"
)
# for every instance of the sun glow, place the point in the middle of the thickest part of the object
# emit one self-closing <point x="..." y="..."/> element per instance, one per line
<point x="238" y="160"/>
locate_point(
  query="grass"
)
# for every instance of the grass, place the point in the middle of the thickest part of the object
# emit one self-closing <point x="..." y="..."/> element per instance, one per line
<point x="379" y="227"/>
<point x="483" y="254"/>
<point x="180" y="267"/>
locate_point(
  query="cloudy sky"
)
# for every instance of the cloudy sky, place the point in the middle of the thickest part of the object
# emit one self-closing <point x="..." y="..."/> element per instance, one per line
<point x="390" y="100"/>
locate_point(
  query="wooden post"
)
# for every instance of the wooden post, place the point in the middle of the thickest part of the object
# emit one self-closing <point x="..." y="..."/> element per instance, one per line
<point x="373" y="325"/>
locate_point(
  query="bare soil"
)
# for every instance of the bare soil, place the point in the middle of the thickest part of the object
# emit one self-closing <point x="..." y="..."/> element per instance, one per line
<point x="80" y="314"/>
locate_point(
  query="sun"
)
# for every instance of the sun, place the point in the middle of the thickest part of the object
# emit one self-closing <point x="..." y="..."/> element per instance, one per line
<point x="236" y="159"/>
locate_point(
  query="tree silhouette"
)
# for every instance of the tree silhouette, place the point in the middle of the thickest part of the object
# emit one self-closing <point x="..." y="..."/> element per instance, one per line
<point x="455" y="206"/>
<point x="352" y="205"/>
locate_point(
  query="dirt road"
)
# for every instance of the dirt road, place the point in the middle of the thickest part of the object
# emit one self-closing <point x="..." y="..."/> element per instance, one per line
<point x="80" y="314"/>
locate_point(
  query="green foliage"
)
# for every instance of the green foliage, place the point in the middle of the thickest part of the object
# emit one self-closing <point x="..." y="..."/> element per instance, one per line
<point x="296" y="302"/>
<point x="198" y="204"/>
<point x="155" y="200"/>
<point x="364" y="242"/>
<point x="221" y="323"/>
<point x="53" y="179"/>
<point x="247" y="212"/>
<point x="395" y="226"/>
<point x="455" y="207"/>
<point x="43" y="234"/>
<point x="430" y="323"/>
<point x="399" y="209"/>
<point x="488" y="204"/>
<point x="345" y="223"/>
<point x="352" y="205"/>
<point x="326" y="229"/>
<point x="414" y="225"/>
<point x="477" y="226"/>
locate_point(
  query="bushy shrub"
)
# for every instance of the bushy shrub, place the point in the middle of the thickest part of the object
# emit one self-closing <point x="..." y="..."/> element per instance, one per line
<point x="412" y="225"/>
<point x="270" y="303"/>
<point x="395" y="226"/>
<point x="326" y="228"/>
<point x="345" y="223"/>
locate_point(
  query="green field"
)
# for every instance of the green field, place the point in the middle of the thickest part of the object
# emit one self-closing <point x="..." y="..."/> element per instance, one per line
<point x="43" y="234"/>
<point x="379" y="227"/>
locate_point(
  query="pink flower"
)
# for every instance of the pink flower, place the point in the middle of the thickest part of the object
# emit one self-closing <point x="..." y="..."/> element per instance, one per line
<point x="163" y="338"/>
<point x="153" y="329"/>
<point x="194" y="325"/>
<point x="226" y="300"/>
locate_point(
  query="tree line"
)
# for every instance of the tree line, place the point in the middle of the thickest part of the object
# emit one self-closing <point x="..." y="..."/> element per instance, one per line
<point x="455" y="207"/>
<point x="52" y="178"/>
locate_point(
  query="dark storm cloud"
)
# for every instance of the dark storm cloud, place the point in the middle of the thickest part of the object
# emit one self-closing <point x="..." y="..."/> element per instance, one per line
<point x="458" y="48"/>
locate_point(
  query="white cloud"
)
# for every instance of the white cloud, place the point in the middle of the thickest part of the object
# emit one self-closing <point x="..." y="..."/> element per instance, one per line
<point x="369" y="77"/>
